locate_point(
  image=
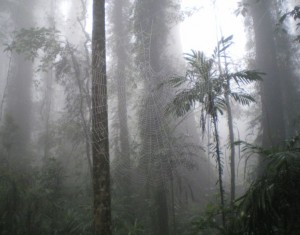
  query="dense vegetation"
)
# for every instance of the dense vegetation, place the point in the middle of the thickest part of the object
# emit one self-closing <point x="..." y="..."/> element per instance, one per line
<point x="105" y="128"/>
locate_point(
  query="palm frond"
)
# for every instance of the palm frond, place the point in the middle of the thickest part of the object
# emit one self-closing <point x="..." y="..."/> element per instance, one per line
<point x="175" y="81"/>
<point x="220" y="105"/>
<point x="184" y="101"/>
<point x="245" y="76"/>
<point x="224" y="44"/>
<point x="242" y="98"/>
<point x="199" y="64"/>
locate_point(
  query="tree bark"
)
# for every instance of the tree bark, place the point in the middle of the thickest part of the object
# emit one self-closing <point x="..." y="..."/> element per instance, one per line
<point x="19" y="103"/>
<point x="230" y="128"/>
<point x="231" y="142"/>
<point x="266" y="60"/>
<point x="152" y="32"/>
<point x="220" y="167"/>
<point x="100" y="144"/>
<point x="121" y="58"/>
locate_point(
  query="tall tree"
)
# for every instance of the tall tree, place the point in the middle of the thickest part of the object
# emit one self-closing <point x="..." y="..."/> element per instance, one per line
<point x="169" y="157"/>
<point x="266" y="61"/>
<point x="20" y="83"/>
<point x="120" y="49"/>
<point x="151" y="32"/>
<point x="48" y="90"/>
<point x="207" y="85"/>
<point x="100" y="144"/>
<point x="222" y="54"/>
<point x="287" y="51"/>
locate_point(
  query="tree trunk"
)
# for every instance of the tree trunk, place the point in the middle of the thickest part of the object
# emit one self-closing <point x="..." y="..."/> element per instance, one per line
<point x="19" y="104"/>
<point x="266" y="60"/>
<point x="100" y="144"/>
<point x="47" y="102"/>
<point x="220" y="167"/>
<point x="230" y="127"/>
<point x="287" y="70"/>
<point x="152" y="31"/>
<point x="121" y="58"/>
<point x="232" y="149"/>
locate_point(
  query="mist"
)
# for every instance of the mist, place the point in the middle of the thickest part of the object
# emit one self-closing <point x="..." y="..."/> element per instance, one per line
<point x="149" y="117"/>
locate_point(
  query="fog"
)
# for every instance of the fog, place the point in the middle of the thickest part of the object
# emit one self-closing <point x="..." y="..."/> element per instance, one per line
<point x="200" y="100"/>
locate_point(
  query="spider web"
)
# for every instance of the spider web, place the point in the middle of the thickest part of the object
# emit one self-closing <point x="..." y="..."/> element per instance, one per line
<point x="166" y="159"/>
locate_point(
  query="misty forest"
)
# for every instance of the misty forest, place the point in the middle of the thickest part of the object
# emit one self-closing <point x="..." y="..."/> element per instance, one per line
<point x="149" y="117"/>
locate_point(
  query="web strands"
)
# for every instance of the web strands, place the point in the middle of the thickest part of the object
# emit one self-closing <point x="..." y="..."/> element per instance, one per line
<point x="99" y="103"/>
<point x="162" y="156"/>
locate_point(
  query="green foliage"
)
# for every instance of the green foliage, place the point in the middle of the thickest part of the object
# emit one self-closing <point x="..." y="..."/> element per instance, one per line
<point x="35" y="42"/>
<point x="295" y="14"/>
<point x="206" y="85"/>
<point x="271" y="205"/>
<point x="123" y="228"/>
<point x="209" y="221"/>
<point x="34" y="200"/>
<point x="52" y="198"/>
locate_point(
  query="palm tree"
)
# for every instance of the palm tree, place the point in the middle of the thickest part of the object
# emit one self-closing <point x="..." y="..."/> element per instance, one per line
<point x="207" y="86"/>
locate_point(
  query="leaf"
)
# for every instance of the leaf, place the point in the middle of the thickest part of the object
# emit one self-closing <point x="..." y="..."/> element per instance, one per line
<point x="245" y="76"/>
<point x="225" y="43"/>
<point x="243" y="98"/>
<point x="282" y="18"/>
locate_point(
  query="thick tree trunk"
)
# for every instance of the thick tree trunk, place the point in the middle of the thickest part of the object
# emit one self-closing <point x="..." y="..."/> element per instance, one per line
<point x="121" y="58"/>
<point x="152" y="32"/>
<point x="266" y="60"/>
<point x="287" y="69"/>
<point x="100" y="145"/>
<point x="19" y="104"/>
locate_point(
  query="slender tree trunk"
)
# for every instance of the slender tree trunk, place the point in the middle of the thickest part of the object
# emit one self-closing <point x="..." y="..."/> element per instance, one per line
<point x="47" y="112"/>
<point x="48" y="92"/>
<point x="84" y="86"/>
<point x="232" y="149"/>
<point x="100" y="144"/>
<point x="230" y="126"/>
<point x="173" y="204"/>
<point x="85" y="122"/>
<point x="220" y="167"/>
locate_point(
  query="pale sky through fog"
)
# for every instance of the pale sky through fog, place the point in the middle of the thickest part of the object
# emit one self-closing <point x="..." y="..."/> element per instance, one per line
<point x="200" y="31"/>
